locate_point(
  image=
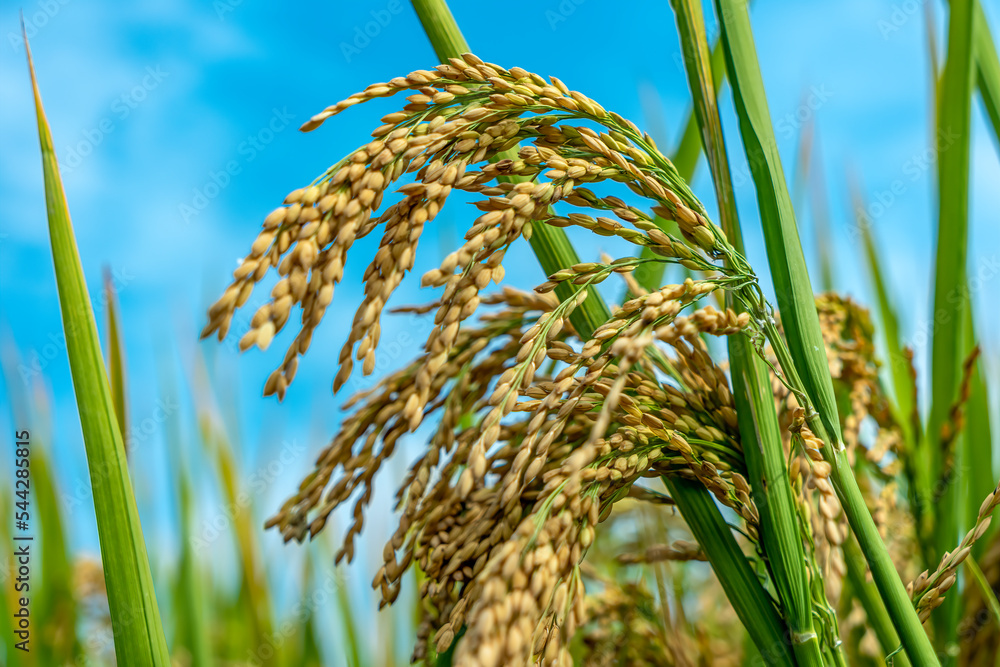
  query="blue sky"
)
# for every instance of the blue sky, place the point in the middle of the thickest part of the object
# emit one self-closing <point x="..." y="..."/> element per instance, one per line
<point x="176" y="124"/>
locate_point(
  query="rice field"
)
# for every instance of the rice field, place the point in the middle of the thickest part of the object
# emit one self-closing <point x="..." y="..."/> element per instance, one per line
<point x="663" y="453"/>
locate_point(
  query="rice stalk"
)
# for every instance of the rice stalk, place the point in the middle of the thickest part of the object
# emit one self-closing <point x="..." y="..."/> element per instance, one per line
<point x="685" y="159"/>
<point x="820" y="207"/>
<point x="794" y="292"/>
<point x="868" y="595"/>
<point x="899" y="358"/>
<point x="512" y="208"/>
<point x="985" y="589"/>
<point x="758" y="422"/>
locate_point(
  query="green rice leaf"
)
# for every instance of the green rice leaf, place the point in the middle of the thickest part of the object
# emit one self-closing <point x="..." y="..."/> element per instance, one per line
<point x="259" y="607"/>
<point x="820" y="207"/>
<point x="135" y="617"/>
<point x="867" y="594"/>
<point x="689" y="149"/>
<point x="985" y="589"/>
<point x="685" y="160"/>
<point x="190" y="590"/>
<point x="758" y="420"/>
<point x="191" y="584"/>
<point x="807" y="364"/>
<point x="950" y="296"/>
<point x="784" y="250"/>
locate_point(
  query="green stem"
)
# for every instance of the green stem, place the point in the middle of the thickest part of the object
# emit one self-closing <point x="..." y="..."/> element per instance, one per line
<point x="887" y="581"/>
<point x="867" y="594"/>
<point x="798" y="309"/>
<point x="442" y="30"/>
<point x="758" y="421"/>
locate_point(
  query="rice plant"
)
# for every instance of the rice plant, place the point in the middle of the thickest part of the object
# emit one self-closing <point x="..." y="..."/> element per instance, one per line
<point x="577" y="459"/>
<point x="548" y="408"/>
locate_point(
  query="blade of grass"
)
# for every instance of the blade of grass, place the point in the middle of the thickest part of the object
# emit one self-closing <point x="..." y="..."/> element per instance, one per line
<point x="308" y="645"/>
<point x="758" y="421"/>
<point x="950" y="295"/>
<point x="805" y="364"/>
<point x="689" y="149"/>
<point x="803" y="162"/>
<point x="978" y="426"/>
<point x="555" y="250"/>
<point x="135" y="617"/>
<point x="116" y="358"/>
<point x="191" y="579"/>
<point x="353" y="653"/>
